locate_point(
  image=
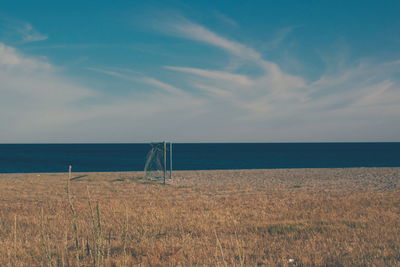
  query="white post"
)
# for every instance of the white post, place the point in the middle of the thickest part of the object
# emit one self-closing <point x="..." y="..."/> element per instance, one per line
<point x="170" y="160"/>
<point x="69" y="171"/>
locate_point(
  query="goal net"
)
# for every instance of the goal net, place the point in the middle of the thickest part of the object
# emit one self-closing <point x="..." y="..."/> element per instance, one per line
<point x="156" y="166"/>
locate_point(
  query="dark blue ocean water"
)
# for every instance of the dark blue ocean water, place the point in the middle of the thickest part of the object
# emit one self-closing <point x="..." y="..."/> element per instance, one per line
<point x="203" y="156"/>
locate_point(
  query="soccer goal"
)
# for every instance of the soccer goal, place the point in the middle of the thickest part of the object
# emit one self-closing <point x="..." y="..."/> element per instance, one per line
<point x="158" y="164"/>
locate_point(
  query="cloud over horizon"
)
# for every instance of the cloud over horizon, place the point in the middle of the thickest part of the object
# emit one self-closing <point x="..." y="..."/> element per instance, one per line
<point x="41" y="103"/>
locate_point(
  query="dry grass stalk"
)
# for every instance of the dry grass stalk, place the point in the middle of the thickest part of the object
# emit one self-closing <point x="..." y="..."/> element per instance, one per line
<point x="45" y="241"/>
<point x="220" y="249"/>
<point x="97" y="232"/>
<point x="74" y="219"/>
<point x="15" y="237"/>
<point x="125" y="236"/>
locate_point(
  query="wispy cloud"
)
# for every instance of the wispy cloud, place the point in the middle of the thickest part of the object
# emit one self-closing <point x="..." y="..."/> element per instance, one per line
<point x="225" y="19"/>
<point x="9" y="59"/>
<point x="253" y="92"/>
<point x="198" y="32"/>
<point x="279" y="37"/>
<point x="15" y="30"/>
<point x="216" y="75"/>
<point x="139" y="77"/>
<point x="29" y="34"/>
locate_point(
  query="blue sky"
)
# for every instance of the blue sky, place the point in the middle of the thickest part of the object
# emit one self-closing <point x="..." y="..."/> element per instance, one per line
<point x="199" y="71"/>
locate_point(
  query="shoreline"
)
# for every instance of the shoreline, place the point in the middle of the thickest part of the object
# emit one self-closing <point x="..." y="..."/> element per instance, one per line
<point x="208" y="170"/>
<point x="374" y="179"/>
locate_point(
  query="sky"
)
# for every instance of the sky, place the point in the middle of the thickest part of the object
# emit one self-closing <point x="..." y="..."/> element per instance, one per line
<point x="199" y="71"/>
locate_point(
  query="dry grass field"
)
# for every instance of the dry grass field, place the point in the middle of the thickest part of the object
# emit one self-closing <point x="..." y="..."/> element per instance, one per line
<point x="299" y="217"/>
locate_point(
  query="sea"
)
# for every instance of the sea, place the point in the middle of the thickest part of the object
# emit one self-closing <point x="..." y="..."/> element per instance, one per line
<point x="28" y="158"/>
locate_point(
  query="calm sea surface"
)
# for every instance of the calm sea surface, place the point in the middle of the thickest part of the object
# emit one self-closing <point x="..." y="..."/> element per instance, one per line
<point x="204" y="156"/>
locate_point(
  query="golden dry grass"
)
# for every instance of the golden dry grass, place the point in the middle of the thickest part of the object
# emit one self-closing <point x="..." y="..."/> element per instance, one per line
<point x="309" y="217"/>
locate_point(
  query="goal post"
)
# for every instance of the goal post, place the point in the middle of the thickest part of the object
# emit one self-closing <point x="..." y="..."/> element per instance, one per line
<point x="158" y="165"/>
<point x="170" y="160"/>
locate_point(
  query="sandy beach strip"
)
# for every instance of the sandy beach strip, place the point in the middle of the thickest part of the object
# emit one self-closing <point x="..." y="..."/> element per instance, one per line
<point x="310" y="179"/>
